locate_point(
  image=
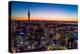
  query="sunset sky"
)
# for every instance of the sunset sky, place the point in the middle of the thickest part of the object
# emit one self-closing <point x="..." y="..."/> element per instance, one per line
<point x="44" y="11"/>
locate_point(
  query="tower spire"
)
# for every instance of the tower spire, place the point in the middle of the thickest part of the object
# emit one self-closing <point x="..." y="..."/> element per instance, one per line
<point x="28" y="14"/>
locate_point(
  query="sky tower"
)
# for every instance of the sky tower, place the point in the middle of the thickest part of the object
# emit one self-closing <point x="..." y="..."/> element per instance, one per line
<point x="28" y="14"/>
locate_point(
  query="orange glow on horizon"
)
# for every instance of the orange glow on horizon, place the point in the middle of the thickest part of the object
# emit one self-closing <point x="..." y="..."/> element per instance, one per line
<point x="42" y="18"/>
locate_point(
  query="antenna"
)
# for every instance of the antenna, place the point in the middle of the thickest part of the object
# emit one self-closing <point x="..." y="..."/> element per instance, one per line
<point x="28" y="14"/>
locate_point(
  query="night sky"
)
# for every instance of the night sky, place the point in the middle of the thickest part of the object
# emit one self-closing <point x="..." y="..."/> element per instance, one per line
<point x="44" y="11"/>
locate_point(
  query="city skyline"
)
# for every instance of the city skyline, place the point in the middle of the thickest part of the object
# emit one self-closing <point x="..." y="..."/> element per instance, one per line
<point x="42" y="27"/>
<point x="44" y="11"/>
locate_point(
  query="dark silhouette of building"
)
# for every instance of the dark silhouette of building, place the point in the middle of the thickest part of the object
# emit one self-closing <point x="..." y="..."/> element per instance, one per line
<point x="28" y="14"/>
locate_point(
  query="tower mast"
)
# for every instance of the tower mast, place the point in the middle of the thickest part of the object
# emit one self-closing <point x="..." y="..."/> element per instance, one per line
<point x="28" y="15"/>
